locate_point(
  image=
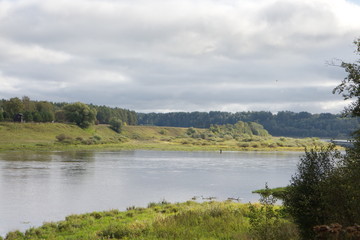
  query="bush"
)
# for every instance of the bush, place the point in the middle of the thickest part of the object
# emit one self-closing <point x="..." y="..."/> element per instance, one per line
<point x="308" y="195"/>
<point x="268" y="222"/>
<point x="116" y="125"/>
<point x="97" y="138"/>
<point x="63" y="138"/>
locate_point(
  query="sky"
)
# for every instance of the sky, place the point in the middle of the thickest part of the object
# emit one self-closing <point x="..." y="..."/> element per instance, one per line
<point x="179" y="55"/>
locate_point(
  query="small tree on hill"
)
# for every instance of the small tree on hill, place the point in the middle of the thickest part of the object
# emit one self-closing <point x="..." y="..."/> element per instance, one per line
<point x="116" y="124"/>
<point x="80" y="113"/>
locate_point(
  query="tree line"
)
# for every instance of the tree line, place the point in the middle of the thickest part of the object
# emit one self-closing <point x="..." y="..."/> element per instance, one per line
<point x="284" y="123"/>
<point x="79" y="113"/>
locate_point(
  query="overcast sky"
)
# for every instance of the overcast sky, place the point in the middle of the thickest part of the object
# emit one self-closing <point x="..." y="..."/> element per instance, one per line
<point x="178" y="55"/>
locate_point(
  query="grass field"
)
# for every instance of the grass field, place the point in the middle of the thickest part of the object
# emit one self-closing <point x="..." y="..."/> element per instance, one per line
<point x="189" y="220"/>
<point x="58" y="136"/>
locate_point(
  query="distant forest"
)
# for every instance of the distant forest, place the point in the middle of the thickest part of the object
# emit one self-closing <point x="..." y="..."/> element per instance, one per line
<point x="285" y="123"/>
<point x="44" y="111"/>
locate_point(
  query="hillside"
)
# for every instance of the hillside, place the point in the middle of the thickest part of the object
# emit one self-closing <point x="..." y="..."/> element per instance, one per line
<point x="59" y="136"/>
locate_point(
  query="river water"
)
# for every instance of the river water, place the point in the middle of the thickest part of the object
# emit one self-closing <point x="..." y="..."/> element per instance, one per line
<point x="47" y="186"/>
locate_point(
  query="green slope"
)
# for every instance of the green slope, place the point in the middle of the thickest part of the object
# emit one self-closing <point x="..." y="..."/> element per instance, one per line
<point x="43" y="136"/>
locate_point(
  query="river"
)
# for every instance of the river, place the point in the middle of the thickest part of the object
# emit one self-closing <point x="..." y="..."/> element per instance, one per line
<point x="39" y="187"/>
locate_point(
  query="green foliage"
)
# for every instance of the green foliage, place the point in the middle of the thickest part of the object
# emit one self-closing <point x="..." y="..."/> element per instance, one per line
<point x="28" y="117"/>
<point x="12" y="107"/>
<point x="63" y="137"/>
<point x="268" y="221"/>
<point x="284" y="123"/>
<point x="60" y="116"/>
<point x="116" y="125"/>
<point x="189" y="220"/>
<point x="80" y="113"/>
<point x="229" y="131"/>
<point x="43" y="111"/>
<point x="350" y="86"/>
<point x="1" y="114"/>
<point x="106" y="114"/>
<point x="326" y="188"/>
<point x="307" y="197"/>
<point x="278" y="193"/>
<point x="14" y="235"/>
<point x="37" y="117"/>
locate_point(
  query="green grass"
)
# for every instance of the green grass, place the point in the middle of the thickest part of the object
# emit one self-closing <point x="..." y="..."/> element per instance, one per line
<point x="43" y="136"/>
<point x="189" y="220"/>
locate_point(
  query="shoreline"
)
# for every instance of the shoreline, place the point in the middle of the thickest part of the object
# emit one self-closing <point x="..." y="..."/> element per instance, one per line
<point x="141" y="146"/>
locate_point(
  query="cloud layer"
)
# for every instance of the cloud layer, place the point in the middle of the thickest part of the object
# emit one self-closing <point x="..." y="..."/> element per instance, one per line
<point x="172" y="55"/>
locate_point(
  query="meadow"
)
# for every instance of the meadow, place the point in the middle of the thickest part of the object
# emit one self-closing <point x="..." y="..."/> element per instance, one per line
<point x="59" y="136"/>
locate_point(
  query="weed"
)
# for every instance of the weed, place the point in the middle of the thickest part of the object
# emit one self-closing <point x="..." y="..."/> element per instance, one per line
<point x="268" y="222"/>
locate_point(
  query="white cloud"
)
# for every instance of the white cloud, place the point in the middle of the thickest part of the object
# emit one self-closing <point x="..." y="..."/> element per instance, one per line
<point x="30" y="52"/>
<point x="8" y="85"/>
<point x="172" y="54"/>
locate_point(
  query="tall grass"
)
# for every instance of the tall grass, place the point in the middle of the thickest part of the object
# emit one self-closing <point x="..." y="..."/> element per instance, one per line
<point x="189" y="220"/>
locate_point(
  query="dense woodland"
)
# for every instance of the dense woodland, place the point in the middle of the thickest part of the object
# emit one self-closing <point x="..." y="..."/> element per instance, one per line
<point x="285" y="123"/>
<point x="44" y="111"/>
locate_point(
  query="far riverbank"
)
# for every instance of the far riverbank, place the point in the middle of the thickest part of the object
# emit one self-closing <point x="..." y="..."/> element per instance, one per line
<point x="58" y="136"/>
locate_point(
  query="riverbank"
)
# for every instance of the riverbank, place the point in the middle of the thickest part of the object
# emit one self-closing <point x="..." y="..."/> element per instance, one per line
<point x="189" y="220"/>
<point x="58" y="136"/>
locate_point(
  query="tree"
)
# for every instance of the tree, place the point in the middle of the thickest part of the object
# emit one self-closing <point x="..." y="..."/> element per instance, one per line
<point x="29" y="105"/>
<point x="350" y="172"/>
<point x="350" y="86"/>
<point x="307" y="198"/>
<point x="1" y="114"/>
<point x="46" y="110"/>
<point x="80" y="113"/>
<point x="60" y="116"/>
<point x="116" y="124"/>
<point x="13" y="107"/>
<point x="326" y="187"/>
<point x="28" y="116"/>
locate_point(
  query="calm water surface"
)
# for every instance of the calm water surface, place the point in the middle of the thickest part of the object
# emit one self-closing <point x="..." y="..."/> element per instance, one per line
<point x="47" y="186"/>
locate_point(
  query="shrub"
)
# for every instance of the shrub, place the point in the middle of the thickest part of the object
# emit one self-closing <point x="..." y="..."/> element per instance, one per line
<point x="306" y="197"/>
<point x="268" y="222"/>
<point x="116" y="124"/>
<point x="63" y="138"/>
<point x="97" y="138"/>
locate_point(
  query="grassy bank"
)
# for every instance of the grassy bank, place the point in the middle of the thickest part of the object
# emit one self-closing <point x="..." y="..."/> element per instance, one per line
<point x="57" y="136"/>
<point x="189" y="220"/>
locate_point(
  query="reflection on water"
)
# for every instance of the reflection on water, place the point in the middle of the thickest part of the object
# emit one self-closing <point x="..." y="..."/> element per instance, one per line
<point x="47" y="186"/>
